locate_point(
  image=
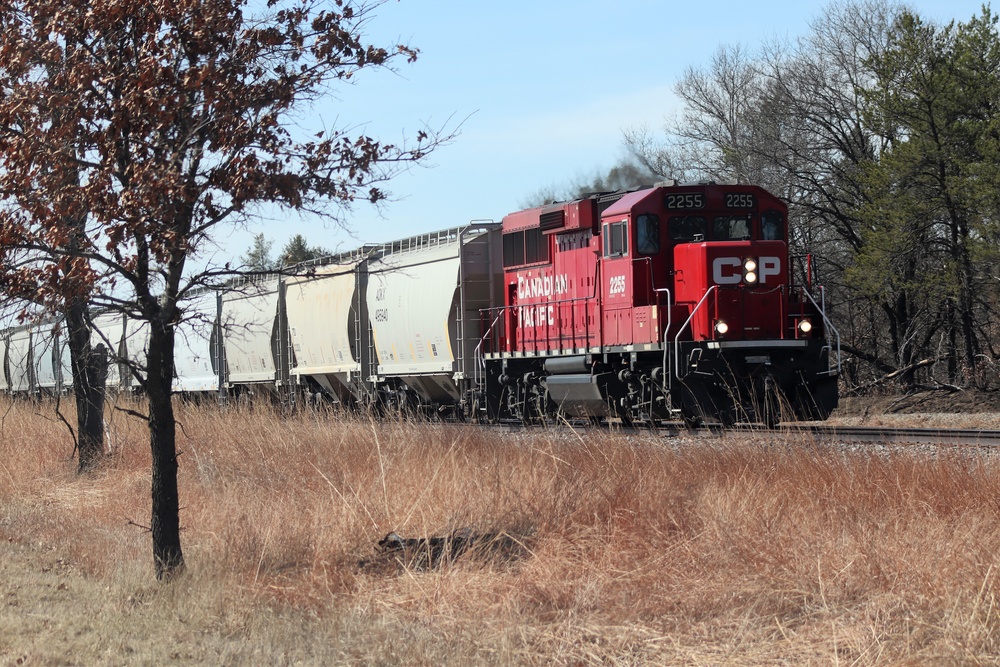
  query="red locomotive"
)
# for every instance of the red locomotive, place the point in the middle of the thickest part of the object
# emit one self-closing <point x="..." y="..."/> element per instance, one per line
<point x="673" y="300"/>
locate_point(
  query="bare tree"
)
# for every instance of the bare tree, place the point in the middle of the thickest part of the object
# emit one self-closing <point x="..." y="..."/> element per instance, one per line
<point x="712" y="139"/>
<point x="132" y="132"/>
<point x="792" y="117"/>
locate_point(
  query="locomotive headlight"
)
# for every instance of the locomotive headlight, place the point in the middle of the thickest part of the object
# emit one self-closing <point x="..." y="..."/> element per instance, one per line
<point x="750" y="277"/>
<point x="750" y="265"/>
<point x="721" y="327"/>
<point x="805" y="326"/>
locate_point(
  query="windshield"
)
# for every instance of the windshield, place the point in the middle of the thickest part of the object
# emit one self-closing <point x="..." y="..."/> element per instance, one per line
<point x="731" y="228"/>
<point x="687" y="227"/>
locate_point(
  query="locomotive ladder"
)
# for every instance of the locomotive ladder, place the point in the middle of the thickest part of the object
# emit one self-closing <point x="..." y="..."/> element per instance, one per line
<point x="364" y="342"/>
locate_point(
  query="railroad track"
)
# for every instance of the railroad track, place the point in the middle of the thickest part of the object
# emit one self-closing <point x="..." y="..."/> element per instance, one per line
<point x="872" y="435"/>
<point x="819" y="432"/>
<point x="897" y="436"/>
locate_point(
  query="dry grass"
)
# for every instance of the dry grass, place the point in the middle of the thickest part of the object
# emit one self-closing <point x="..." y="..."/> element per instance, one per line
<point x="626" y="549"/>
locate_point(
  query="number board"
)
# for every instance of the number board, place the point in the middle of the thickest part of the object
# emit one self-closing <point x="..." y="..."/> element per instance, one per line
<point x="687" y="200"/>
<point x="740" y="200"/>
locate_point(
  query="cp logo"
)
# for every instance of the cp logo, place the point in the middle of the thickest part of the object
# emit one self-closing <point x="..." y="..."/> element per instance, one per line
<point x="729" y="270"/>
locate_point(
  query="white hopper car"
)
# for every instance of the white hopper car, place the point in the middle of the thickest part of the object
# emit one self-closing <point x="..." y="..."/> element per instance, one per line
<point x="396" y="324"/>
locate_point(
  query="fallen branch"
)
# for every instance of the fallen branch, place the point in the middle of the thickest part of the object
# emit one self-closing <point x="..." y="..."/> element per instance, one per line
<point x="889" y="377"/>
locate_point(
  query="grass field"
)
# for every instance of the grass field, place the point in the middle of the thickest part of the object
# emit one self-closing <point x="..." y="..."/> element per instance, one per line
<point x="611" y="548"/>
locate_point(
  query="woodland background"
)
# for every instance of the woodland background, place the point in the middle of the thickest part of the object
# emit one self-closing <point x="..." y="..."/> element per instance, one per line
<point x="882" y="131"/>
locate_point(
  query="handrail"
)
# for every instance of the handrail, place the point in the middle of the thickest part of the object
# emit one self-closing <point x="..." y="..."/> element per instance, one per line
<point x="435" y="238"/>
<point x="687" y="322"/>
<point x="501" y="310"/>
<point x="520" y="341"/>
<point x="827" y="324"/>
<point x="479" y="363"/>
<point x="666" y="332"/>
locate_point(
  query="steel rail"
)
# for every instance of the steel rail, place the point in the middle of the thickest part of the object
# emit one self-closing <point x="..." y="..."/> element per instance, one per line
<point x="895" y="436"/>
<point x="819" y="433"/>
<point x="872" y="435"/>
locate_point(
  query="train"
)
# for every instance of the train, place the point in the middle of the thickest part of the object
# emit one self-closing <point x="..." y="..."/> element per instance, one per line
<point x="672" y="301"/>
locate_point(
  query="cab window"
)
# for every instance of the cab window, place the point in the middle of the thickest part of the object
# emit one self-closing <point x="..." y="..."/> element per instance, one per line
<point x="686" y="228"/>
<point x="647" y="230"/>
<point x="731" y="228"/>
<point x="616" y="239"/>
<point x="772" y="226"/>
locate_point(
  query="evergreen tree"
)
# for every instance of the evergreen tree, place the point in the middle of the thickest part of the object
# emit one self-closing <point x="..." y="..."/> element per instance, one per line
<point x="933" y="189"/>
<point x="258" y="255"/>
<point x="297" y="251"/>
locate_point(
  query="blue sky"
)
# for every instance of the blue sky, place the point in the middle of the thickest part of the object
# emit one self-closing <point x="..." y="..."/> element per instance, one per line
<point x="543" y="89"/>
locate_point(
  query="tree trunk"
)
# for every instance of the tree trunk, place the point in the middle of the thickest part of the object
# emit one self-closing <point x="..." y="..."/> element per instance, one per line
<point x="968" y="300"/>
<point x="165" y="521"/>
<point x="90" y="371"/>
<point x="952" y="323"/>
